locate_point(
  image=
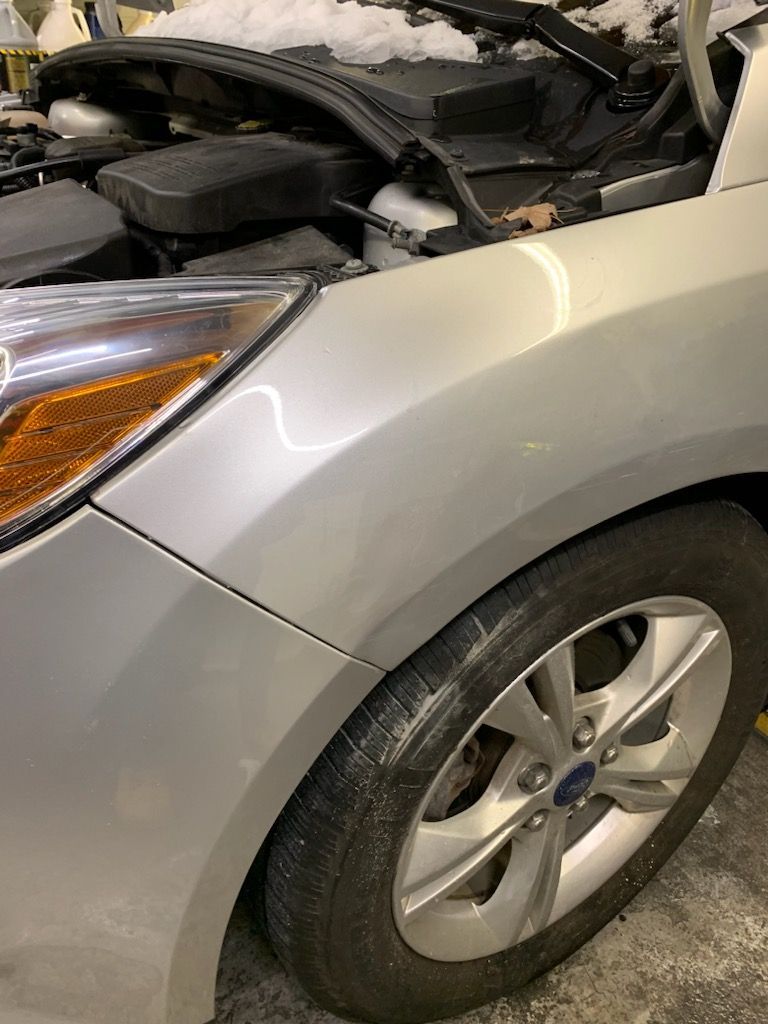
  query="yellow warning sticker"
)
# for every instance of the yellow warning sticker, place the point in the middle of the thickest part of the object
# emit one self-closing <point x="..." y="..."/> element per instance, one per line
<point x="16" y="76"/>
<point x="15" y="66"/>
<point x="762" y="724"/>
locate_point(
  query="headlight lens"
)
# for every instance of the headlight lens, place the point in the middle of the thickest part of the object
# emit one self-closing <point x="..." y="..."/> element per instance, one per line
<point x="88" y="374"/>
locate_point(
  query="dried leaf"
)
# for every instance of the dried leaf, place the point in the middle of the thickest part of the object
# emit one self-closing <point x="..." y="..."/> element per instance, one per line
<point x="540" y="217"/>
<point x="520" y="233"/>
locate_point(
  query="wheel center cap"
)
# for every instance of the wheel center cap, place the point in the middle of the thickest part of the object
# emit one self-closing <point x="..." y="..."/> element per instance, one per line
<point x="575" y="784"/>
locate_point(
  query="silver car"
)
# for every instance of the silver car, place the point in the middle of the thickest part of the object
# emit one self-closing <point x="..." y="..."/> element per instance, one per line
<point x="383" y="464"/>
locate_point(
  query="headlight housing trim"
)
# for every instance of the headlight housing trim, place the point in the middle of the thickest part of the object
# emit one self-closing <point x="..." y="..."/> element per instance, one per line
<point x="116" y="335"/>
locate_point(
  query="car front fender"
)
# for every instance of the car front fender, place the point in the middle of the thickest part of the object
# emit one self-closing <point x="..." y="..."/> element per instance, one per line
<point x="420" y="434"/>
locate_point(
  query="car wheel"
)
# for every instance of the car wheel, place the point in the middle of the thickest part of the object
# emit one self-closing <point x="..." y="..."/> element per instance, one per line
<point x="506" y="791"/>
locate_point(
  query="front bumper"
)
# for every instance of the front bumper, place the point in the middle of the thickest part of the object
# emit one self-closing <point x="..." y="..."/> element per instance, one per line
<point x="153" y="725"/>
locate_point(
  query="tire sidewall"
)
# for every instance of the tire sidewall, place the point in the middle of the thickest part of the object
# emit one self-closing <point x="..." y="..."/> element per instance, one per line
<point x="360" y="966"/>
<point x="710" y="563"/>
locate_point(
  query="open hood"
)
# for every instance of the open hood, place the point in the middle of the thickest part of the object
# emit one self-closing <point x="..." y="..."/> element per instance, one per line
<point x="205" y="149"/>
<point x="603" y="62"/>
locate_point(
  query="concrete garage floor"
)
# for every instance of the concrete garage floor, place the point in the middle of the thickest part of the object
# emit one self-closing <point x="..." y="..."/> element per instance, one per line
<point x="691" y="949"/>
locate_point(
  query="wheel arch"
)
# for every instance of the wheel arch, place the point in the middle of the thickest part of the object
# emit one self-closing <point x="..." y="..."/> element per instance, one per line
<point x="697" y="514"/>
<point x="750" y="490"/>
<point x="624" y="492"/>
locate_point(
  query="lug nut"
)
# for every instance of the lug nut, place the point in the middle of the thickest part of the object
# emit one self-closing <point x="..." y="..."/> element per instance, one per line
<point x="580" y="804"/>
<point x="584" y="734"/>
<point x="535" y="778"/>
<point x="537" y="821"/>
<point x="610" y="754"/>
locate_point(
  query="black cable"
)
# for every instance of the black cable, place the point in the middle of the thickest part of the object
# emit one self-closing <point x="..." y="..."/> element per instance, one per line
<point x="360" y="213"/>
<point x="38" y="168"/>
<point x="81" y="161"/>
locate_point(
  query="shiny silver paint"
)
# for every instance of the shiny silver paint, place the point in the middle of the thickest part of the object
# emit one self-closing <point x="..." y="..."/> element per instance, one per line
<point x="415" y="437"/>
<point x="153" y="726"/>
<point x="420" y="434"/>
<point x="743" y="155"/>
<point x="666" y="184"/>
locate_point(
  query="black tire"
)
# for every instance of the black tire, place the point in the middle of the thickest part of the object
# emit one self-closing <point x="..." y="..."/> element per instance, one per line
<point x="336" y="846"/>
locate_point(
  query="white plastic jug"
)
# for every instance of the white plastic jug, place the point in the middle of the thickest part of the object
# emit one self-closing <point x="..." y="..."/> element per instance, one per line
<point x="15" y="33"/>
<point x="38" y="16"/>
<point x="64" y="26"/>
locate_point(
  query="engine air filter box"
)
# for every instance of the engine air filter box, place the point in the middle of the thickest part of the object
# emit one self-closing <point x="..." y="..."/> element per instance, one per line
<point x="214" y="185"/>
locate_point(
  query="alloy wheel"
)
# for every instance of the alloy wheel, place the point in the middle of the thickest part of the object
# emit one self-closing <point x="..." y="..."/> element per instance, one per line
<point x="562" y="779"/>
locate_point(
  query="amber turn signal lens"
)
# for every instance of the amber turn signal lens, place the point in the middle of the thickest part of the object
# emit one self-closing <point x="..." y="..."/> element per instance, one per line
<point x="49" y="440"/>
<point x="90" y="373"/>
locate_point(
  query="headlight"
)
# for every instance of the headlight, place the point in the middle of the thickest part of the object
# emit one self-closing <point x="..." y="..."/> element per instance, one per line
<point x="88" y="374"/>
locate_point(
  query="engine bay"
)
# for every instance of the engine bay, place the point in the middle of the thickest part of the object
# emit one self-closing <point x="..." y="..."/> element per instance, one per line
<point x="163" y="157"/>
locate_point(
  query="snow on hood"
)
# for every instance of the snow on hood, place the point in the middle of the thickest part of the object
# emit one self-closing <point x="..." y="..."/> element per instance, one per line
<point x="650" y="21"/>
<point x="354" y="33"/>
<point x="368" y="34"/>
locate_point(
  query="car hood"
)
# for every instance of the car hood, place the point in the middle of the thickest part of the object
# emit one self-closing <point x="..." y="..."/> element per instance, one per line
<point x="73" y="69"/>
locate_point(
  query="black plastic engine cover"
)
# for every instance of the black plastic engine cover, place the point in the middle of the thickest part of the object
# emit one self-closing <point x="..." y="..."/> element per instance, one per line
<point x="61" y="227"/>
<point x="216" y="184"/>
<point x="437" y="96"/>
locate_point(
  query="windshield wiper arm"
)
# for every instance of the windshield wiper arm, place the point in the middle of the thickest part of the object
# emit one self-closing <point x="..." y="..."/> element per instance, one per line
<point x="598" y="59"/>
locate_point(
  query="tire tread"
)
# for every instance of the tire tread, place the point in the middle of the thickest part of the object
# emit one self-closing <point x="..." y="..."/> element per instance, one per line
<point x="309" y="840"/>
